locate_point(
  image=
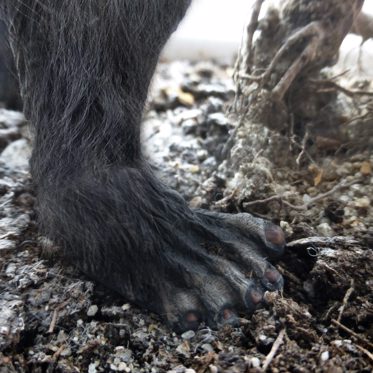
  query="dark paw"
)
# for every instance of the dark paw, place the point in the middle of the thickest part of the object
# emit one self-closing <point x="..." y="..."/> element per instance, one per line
<point x="223" y="270"/>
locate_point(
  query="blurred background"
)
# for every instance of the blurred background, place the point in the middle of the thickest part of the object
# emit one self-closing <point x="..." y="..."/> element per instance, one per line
<point x="213" y="29"/>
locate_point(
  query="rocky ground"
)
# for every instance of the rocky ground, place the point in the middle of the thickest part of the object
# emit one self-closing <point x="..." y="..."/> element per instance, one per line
<point x="52" y="319"/>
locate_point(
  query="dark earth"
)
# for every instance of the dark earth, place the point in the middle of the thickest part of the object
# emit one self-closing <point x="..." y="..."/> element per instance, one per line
<point x="52" y="319"/>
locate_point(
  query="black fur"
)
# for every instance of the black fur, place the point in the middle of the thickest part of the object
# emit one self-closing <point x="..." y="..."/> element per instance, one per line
<point x="85" y="67"/>
<point x="9" y="89"/>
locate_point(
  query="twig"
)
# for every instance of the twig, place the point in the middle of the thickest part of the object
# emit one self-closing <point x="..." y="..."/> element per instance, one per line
<point x="345" y="299"/>
<point x="55" y="315"/>
<point x="334" y="85"/>
<point x="293" y="71"/>
<point x="320" y="242"/>
<point x="57" y="354"/>
<point x="351" y="332"/>
<point x="288" y="274"/>
<point x="330" y="310"/>
<point x="245" y="53"/>
<point x="305" y="205"/>
<point x="362" y="349"/>
<point x="274" y="349"/>
<point x="251" y="28"/>
<point x="326" y="194"/>
<point x="53" y="321"/>
<point x="311" y="30"/>
<point x="303" y="146"/>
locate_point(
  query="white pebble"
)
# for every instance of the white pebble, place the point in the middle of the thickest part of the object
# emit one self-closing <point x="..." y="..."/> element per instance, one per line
<point x="324" y="229"/>
<point x="255" y="362"/>
<point x="325" y="356"/>
<point x="188" y="334"/>
<point x="92" y="310"/>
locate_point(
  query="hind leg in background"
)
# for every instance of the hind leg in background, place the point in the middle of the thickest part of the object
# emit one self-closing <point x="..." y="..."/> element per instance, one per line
<point x="85" y="72"/>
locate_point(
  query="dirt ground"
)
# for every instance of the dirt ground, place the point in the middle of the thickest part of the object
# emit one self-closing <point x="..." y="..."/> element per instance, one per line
<point x="53" y="319"/>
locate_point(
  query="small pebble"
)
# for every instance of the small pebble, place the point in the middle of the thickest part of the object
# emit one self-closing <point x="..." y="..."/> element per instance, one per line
<point x="363" y="202"/>
<point x="325" y="356"/>
<point x="126" y="307"/>
<point x="92" y="310"/>
<point x="213" y="368"/>
<point x="255" y="362"/>
<point x="183" y="349"/>
<point x="324" y="229"/>
<point x="188" y="334"/>
<point x="338" y="342"/>
<point x="207" y="347"/>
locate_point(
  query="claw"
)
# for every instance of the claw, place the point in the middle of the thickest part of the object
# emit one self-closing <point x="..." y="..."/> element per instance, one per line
<point x="228" y="317"/>
<point x="254" y="296"/>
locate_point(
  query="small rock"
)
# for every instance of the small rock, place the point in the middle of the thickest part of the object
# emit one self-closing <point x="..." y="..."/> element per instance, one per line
<point x="324" y="229"/>
<point x="189" y="126"/>
<point x="219" y="119"/>
<point x="286" y="227"/>
<point x="185" y="98"/>
<point x="207" y="347"/>
<point x="188" y="334"/>
<point x="112" y="311"/>
<point x="92" y="368"/>
<point x="338" y="342"/>
<point x="11" y="270"/>
<point x="66" y="352"/>
<point x="366" y="168"/>
<point x="363" y="202"/>
<point x="213" y="368"/>
<point x="255" y="362"/>
<point x="16" y="155"/>
<point x="92" y="310"/>
<point x="184" y="349"/>
<point x="7" y="244"/>
<point x="122" y="367"/>
<point x="325" y="356"/>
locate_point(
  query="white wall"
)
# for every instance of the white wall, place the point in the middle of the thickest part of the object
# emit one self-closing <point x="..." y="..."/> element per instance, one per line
<point x="213" y="29"/>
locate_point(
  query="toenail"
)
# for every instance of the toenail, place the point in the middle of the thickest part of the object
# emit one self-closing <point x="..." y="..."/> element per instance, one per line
<point x="256" y="296"/>
<point x="272" y="275"/>
<point x="191" y="317"/>
<point x="228" y="313"/>
<point x="274" y="234"/>
<point x="191" y="321"/>
<point x="228" y="317"/>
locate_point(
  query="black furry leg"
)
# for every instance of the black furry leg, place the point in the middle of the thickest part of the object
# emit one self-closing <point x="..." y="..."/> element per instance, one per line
<point x="85" y="68"/>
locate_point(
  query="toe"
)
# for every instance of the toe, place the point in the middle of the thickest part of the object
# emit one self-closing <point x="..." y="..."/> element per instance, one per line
<point x="254" y="297"/>
<point x="228" y="316"/>
<point x="274" y="238"/>
<point x="190" y="320"/>
<point x="271" y="235"/>
<point x="183" y="310"/>
<point x="272" y="279"/>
